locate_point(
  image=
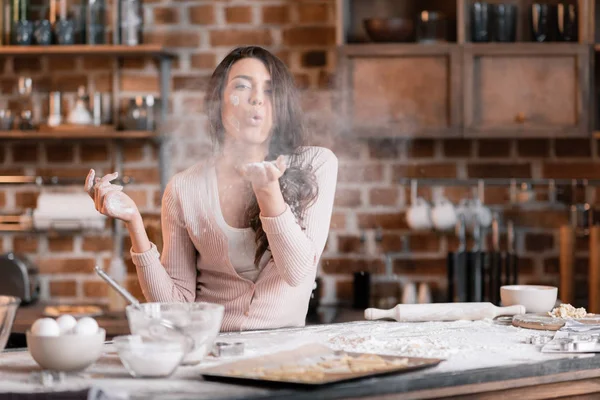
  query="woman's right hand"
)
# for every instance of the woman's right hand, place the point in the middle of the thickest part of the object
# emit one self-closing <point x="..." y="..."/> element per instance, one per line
<point x="109" y="199"/>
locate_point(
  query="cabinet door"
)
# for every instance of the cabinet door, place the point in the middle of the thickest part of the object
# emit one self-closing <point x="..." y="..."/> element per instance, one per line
<point x="526" y="90"/>
<point x="401" y="91"/>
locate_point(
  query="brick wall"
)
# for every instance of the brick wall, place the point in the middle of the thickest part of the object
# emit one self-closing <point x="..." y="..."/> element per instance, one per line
<point x="302" y="34"/>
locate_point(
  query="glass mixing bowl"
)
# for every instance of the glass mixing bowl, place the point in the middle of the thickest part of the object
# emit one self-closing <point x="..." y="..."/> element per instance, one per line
<point x="201" y="321"/>
<point x="8" y="310"/>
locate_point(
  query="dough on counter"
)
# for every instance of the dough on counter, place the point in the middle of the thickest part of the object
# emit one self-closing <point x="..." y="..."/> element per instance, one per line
<point x="567" y="311"/>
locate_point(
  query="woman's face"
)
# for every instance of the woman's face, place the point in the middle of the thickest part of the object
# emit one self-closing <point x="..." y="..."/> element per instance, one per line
<point x="246" y="109"/>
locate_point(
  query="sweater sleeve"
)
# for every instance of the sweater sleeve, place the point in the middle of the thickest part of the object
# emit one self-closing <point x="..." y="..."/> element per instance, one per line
<point x="172" y="276"/>
<point x="296" y="252"/>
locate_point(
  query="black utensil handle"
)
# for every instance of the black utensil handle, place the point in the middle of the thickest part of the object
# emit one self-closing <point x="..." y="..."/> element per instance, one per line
<point x="514" y="269"/>
<point x="461" y="275"/>
<point x="450" y="266"/>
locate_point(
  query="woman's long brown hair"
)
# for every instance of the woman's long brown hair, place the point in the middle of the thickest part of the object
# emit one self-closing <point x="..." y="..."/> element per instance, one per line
<point x="298" y="185"/>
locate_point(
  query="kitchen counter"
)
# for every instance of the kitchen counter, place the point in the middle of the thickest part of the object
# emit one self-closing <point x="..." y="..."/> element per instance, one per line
<point x="115" y="323"/>
<point x="480" y="356"/>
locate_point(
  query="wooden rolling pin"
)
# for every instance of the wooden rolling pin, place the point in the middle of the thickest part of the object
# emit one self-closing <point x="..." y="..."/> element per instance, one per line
<point x="442" y="312"/>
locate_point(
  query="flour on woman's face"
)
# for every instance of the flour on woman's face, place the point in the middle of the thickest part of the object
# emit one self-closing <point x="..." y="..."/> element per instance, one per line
<point x="247" y="109"/>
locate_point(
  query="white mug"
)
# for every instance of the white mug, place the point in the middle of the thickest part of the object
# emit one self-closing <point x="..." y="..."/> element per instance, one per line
<point x="409" y="293"/>
<point x="418" y="215"/>
<point x="444" y="215"/>
<point x="424" y="294"/>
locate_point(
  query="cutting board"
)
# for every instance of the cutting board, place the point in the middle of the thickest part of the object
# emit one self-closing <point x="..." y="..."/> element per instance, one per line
<point x="544" y="322"/>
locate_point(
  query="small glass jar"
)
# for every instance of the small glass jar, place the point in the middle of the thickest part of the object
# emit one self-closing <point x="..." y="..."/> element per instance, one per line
<point x="26" y="121"/>
<point x="136" y="117"/>
<point x="131" y="22"/>
<point x="432" y="27"/>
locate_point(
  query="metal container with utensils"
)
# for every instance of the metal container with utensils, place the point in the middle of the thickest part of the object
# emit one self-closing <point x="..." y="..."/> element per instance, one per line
<point x="457" y="266"/>
<point x="477" y="275"/>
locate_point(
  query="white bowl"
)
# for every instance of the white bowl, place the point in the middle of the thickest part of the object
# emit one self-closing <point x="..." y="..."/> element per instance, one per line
<point x="201" y="321"/>
<point x="149" y="359"/>
<point x="535" y="298"/>
<point x="66" y="353"/>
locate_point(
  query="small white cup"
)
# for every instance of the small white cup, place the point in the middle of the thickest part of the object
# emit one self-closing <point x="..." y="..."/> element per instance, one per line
<point x="418" y="215"/>
<point x="423" y="293"/>
<point x="444" y="215"/>
<point x="409" y="293"/>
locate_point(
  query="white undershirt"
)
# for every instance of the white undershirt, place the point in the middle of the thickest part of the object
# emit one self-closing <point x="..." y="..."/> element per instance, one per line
<point x="240" y="241"/>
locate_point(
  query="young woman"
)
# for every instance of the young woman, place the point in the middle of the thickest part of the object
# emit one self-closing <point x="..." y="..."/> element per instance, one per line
<point x="246" y="228"/>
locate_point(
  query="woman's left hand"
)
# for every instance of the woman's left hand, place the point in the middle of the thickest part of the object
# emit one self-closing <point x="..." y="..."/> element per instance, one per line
<point x="263" y="174"/>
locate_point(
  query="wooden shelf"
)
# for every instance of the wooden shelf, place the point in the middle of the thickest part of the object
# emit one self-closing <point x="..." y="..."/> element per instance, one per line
<point x="393" y="49"/>
<point x="86" y="50"/>
<point x="527" y="48"/>
<point x="77" y="135"/>
<point x="596" y="134"/>
<point x="416" y="49"/>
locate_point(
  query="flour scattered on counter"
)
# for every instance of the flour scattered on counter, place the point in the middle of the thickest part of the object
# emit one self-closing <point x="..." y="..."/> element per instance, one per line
<point x="567" y="311"/>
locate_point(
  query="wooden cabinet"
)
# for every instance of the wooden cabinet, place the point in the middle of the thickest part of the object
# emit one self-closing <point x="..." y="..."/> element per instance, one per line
<point x="472" y="90"/>
<point x="458" y="88"/>
<point x="400" y="91"/>
<point x="526" y="90"/>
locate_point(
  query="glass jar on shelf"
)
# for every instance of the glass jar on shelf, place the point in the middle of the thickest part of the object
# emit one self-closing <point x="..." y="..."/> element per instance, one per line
<point x="136" y="115"/>
<point x="131" y="22"/>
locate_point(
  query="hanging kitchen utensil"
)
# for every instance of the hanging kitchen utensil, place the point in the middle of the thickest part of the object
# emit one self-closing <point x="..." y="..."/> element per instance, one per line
<point x="594" y="271"/>
<point x="495" y="259"/>
<point x="567" y="264"/>
<point x="475" y="268"/>
<point x="457" y="266"/>
<point x="510" y="259"/>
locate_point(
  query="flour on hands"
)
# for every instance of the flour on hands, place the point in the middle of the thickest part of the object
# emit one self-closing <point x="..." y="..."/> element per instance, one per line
<point x="110" y="199"/>
<point x="261" y="174"/>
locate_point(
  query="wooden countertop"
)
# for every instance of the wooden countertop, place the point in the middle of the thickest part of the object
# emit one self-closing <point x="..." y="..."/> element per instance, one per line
<point x="482" y="360"/>
<point x="115" y="323"/>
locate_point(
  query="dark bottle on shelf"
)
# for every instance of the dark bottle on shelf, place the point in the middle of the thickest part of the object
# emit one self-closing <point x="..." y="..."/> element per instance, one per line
<point x="21" y="27"/>
<point x="543" y="23"/>
<point x="480" y="22"/>
<point x="567" y="25"/>
<point x="504" y="17"/>
<point x="95" y="22"/>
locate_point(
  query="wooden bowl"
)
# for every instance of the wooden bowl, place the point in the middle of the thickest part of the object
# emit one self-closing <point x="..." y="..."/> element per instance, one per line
<point x="395" y="30"/>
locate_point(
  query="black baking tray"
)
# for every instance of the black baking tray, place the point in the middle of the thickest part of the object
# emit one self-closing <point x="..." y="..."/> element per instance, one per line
<point x="223" y="372"/>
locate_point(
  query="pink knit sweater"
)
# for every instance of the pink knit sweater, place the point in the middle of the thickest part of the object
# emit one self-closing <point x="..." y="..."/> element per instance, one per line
<point x="195" y="266"/>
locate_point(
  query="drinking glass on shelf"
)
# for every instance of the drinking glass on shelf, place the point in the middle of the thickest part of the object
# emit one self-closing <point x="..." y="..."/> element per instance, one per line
<point x="480" y="22"/>
<point x="566" y="15"/>
<point x="504" y="22"/>
<point x="543" y="25"/>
